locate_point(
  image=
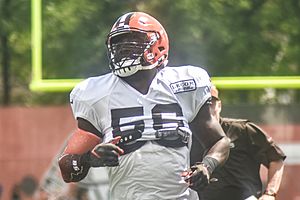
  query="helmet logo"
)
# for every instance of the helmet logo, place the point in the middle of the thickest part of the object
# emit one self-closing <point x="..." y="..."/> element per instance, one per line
<point x="150" y="56"/>
<point x="153" y="38"/>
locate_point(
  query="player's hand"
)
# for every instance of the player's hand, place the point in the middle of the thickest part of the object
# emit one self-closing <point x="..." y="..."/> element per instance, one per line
<point x="106" y="154"/>
<point x="197" y="176"/>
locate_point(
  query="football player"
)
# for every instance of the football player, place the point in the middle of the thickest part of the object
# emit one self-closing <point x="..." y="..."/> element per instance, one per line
<point x="137" y="121"/>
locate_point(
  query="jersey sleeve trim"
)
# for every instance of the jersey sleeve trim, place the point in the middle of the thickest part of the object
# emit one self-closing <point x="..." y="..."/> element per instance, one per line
<point x="205" y="99"/>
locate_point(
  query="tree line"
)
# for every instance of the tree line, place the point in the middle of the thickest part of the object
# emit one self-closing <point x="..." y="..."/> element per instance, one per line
<point x="227" y="38"/>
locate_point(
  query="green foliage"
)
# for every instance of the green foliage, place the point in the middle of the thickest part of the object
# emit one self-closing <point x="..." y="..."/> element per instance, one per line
<point x="226" y="37"/>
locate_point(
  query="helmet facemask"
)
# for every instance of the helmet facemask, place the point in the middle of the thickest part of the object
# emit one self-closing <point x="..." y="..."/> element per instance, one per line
<point x="127" y="51"/>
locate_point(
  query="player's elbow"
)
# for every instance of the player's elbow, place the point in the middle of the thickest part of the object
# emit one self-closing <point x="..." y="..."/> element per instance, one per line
<point x="226" y="148"/>
<point x="221" y="150"/>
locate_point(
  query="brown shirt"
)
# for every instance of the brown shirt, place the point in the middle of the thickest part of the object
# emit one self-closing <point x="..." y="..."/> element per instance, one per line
<point x="239" y="177"/>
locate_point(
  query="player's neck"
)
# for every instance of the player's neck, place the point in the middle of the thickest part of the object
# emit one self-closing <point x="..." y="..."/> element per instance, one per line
<point x="142" y="80"/>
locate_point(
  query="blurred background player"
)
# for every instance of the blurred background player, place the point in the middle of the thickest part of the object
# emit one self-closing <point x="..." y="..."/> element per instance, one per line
<point x="239" y="178"/>
<point x="135" y="120"/>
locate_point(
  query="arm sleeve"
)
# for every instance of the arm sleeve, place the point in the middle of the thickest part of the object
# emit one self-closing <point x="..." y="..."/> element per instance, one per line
<point x="193" y="101"/>
<point x="82" y="107"/>
<point x="202" y="94"/>
<point x="266" y="150"/>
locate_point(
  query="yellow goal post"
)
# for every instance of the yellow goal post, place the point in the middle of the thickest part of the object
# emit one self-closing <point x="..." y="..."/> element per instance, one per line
<point x="39" y="84"/>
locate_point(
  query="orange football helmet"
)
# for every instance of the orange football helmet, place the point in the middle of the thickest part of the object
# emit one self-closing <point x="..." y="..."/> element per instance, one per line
<point x="137" y="41"/>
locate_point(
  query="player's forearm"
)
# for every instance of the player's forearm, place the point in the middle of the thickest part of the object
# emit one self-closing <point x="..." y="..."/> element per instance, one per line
<point x="275" y="173"/>
<point x="220" y="150"/>
<point x="74" y="162"/>
<point x="198" y="175"/>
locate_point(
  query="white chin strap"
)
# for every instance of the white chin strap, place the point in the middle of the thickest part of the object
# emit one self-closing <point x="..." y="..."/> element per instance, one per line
<point x="130" y="70"/>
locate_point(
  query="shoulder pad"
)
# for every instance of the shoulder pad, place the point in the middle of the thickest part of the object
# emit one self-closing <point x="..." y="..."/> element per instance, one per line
<point x="85" y="90"/>
<point x="186" y="73"/>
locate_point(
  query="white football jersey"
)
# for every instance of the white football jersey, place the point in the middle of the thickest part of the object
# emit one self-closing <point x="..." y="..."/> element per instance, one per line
<point x="174" y="98"/>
